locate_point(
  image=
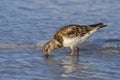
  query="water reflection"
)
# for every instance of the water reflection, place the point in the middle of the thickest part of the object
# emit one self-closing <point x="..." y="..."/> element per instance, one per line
<point x="69" y="66"/>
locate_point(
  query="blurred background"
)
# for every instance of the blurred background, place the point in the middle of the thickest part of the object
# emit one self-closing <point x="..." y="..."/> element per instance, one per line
<point x="31" y="22"/>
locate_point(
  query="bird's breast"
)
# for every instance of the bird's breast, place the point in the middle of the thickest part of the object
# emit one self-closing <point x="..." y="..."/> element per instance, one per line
<point x="69" y="42"/>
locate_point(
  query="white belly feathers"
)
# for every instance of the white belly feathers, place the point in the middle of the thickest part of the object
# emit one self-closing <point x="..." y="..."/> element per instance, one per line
<point x="71" y="42"/>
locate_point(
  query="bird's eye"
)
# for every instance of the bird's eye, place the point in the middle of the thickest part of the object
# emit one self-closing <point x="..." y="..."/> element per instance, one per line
<point x="46" y="50"/>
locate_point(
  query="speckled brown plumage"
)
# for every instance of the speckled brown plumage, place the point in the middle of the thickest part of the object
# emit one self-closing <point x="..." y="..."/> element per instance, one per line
<point x="70" y="31"/>
<point x="73" y="31"/>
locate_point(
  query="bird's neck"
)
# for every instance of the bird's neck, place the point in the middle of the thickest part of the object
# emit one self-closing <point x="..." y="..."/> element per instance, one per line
<point x="55" y="44"/>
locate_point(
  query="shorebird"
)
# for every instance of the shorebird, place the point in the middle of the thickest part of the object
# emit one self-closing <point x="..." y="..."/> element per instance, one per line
<point x="70" y="36"/>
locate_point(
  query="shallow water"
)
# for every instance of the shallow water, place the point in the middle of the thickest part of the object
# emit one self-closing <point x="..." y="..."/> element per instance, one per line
<point x="26" y="24"/>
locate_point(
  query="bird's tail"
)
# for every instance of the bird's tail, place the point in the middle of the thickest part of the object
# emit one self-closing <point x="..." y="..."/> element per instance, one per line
<point x="99" y="25"/>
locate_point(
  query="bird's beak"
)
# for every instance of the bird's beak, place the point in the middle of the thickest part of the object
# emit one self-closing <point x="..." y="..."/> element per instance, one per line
<point x="46" y="54"/>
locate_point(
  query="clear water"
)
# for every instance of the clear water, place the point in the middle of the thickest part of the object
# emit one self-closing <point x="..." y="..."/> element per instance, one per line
<point x="26" y="24"/>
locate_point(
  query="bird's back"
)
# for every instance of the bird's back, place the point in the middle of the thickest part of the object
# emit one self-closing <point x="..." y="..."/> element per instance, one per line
<point x="72" y="31"/>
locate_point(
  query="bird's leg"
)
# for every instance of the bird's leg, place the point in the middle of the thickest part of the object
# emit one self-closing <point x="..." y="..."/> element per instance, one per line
<point x="78" y="50"/>
<point x="72" y="52"/>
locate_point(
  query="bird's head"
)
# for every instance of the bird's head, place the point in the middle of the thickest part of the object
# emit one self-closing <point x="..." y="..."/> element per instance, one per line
<point x="47" y="48"/>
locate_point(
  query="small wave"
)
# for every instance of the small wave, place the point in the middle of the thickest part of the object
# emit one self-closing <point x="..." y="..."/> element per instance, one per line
<point x="20" y="46"/>
<point x="87" y="46"/>
<point x="112" y="40"/>
<point x="110" y="46"/>
<point x="104" y="47"/>
<point x="14" y="46"/>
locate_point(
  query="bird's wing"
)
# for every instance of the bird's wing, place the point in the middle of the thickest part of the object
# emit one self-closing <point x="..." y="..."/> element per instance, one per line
<point x="72" y="31"/>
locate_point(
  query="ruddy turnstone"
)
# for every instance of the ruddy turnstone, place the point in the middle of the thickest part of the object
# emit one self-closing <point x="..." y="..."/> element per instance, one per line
<point x="71" y="36"/>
